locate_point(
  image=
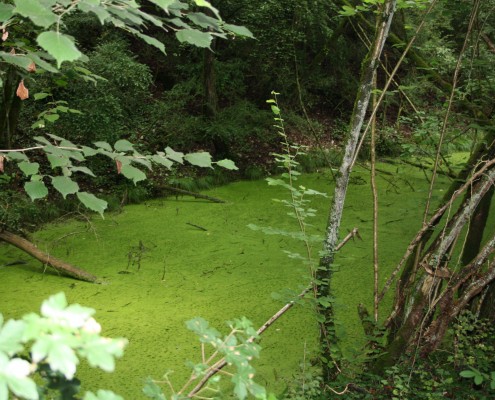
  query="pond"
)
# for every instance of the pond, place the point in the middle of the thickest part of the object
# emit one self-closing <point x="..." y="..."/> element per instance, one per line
<point x="160" y="269"/>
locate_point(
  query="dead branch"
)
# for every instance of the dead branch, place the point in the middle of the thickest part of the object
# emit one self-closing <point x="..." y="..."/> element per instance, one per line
<point x="432" y="223"/>
<point x="47" y="259"/>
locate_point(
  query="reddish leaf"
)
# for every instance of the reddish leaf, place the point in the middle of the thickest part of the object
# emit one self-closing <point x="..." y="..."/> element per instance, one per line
<point x="22" y="91"/>
<point x="5" y="35"/>
<point x="31" y="67"/>
<point x="119" y="166"/>
<point x="1" y="163"/>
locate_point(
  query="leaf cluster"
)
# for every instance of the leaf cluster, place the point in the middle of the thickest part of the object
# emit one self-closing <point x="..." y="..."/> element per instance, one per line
<point x="54" y="340"/>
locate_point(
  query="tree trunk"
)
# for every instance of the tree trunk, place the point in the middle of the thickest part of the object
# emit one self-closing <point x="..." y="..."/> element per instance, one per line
<point x="210" y="103"/>
<point x="430" y="294"/>
<point x="407" y="277"/>
<point x="46" y="259"/>
<point x="10" y="106"/>
<point x="324" y="274"/>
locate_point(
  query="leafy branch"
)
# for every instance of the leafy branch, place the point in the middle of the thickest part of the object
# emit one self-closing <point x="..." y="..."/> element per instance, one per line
<point x="68" y="158"/>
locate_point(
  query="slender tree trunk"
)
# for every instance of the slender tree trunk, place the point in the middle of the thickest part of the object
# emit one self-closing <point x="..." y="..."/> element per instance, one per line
<point x="477" y="227"/>
<point x="210" y="103"/>
<point x="10" y="106"/>
<point x="324" y="275"/>
<point x="59" y="265"/>
<point x="434" y="293"/>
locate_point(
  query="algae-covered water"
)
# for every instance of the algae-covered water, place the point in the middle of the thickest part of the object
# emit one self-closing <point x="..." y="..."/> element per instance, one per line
<point x="225" y="272"/>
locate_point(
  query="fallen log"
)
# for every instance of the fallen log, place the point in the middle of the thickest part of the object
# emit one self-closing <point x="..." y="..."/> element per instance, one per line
<point x="47" y="259"/>
<point x="189" y="193"/>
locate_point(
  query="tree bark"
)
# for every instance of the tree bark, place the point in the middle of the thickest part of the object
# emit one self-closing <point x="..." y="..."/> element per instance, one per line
<point x="427" y="303"/>
<point x="59" y="265"/>
<point x="209" y="82"/>
<point x="10" y="106"/>
<point x="324" y="274"/>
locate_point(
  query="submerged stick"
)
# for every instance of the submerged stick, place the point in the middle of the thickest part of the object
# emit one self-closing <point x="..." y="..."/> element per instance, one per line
<point x="189" y="193"/>
<point x="197" y="226"/>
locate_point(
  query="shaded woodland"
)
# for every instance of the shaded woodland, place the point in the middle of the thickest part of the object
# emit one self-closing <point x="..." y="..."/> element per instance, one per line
<point x="347" y="82"/>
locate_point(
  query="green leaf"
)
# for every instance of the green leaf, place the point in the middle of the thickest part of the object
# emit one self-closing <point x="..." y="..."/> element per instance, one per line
<point x="163" y="4"/>
<point x="62" y="358"/>
<point x="60" y="46"/>
<point x="153" y="391"/>
<point x="42" y="63"/>
<point x="102" y="14"/>
<point x="60" y="160"/>
<point x="104" y="146"/>
<point x="102" y="395"/>
<point x="10" y="337"/>
<point x="18" y="60"/>
<point x="16" y="155"/>
<point x="98" y="356"/>
<point x="123" y="145"/>
<point x="36" y="189"/>
<point x="468" y="374"/>
<point x="54" y="304"/>
<point x="133" y="173"/>
<point x="84" y="170"/>
<point x="89" y="151"/>
<point x="162" y="161"/>
<point x="29" y="168"/>
<point x="151" y="41"/>
<point x="174" y="155"/>
<point x="347" y="11"/>
<point x="36" y="12"/>
<point x="65" y="185"/>
<point x="22" y="387"/>
<point x="6" y="11"/>
<point x="228" y="164"/>
<point x="41" y="95"/>
<point x="207" y="4"/>
<point x="51" y="117"/>
<point x="239" y="30"/>
<point x="203" y="20"/>
<point x="194" y="37"/>
<point x="4" y="391"/>
<point x="13" y="375"/>
<point x="92" y="202"/>
<point x="200" y="159"/>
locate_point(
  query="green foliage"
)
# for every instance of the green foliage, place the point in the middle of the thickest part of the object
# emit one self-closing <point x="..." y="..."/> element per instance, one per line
<point x="125" y="15"/>
<point x="39" y="355"/>
<point x="124" y="94"/>
<point x="371" y="5"/>
<point x="299" y="202"/>
<point x="236" y="350"/>
<point x="107" y="96"/>
<point x="242" y="133"/>
<point x="56" y="339"/>
<point x="305" y="385"/>
<point x="20" y="214"/>
<point x="425" y="136"/>
<point x="466" y="357"/>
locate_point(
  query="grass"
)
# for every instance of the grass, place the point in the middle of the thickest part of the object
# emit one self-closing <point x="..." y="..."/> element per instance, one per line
<point x="224" y="272"/>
